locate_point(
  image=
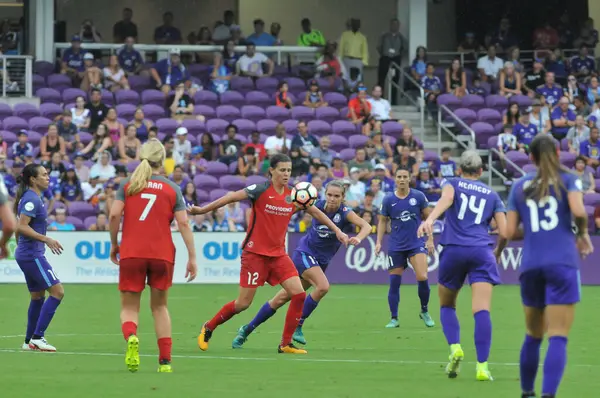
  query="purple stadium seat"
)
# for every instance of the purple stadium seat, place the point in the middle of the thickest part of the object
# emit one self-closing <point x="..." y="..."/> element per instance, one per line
<point x="291" y="126"/>
<point x="199" y="70"/>
<point x="155" y="97"/>
<point x="77" y="223"/>
<point x="496" y="102"/>
<point x="206" y="182"/>
<point x="217" y="193"/>
<point x="216" y="126"/>
<point x="216" y="169"/>
<point x="450" y="100"/>
<point x="26" y="111"/>
<point x="8" y="137"/>
<point x="38" y="81"/>
<point x="34" y="139"/>
<point x="493" y="143"/>
<point x="85" y="138"/>
<point x="232" y="168"/>
<point x="253" y="113"/>
<point x="167" y="126"/>
<point x="81" y="209"/>
<point x="255" y="180"/>
<point x="153" y="112"/>
<point x="564" y="144"/>
<point x="327" y="114"/>
<point x="207" y="111"/>
<point x="336" y="100"/>
<point x="591" y="199"/>
<point x="347" y="154"/>
<point x="483" y="131"/>
<point x="392" y="128"/>
<point x="357" y="141"/>
<point x="88" y="222"/>
<point x="518" y="158"/>
<point x="49" y="95"/>
<point x="233" y="98"/>
<point x="338" y="142"/>
<point x="127" y="97"/>
<point x="71" y="94"/>
<point x="522" y="100"/>
<point x="597" y="181"/>
<point x="474" y="102"/>
<point x="231" y="183"/>
<point x="295" y="84"/>
<point x="430" y="156"/>
<point x="278" y="113"/>
<point x="39" y="124"/>
<point x="204" y="97"/>
<point x="466" y="115"/>
<point x="266" y="126"/>
<point x="343" y="127"/>
<point x="319" y="128"/>
<point x="489" y="115"/>
<point x="326" y="86"/>
<point x="241" y="84"/>
<point x="14" y="124"/>
<point x="245" y="126"/>
<point x="5" y="110"/>
<point x="392" y="140"/>
<point x="108" y="98"/>
<point x="59" y="82"/>
<point x="201" y="195"/>
<point x="140" y="83"/>
<point x="303" y="113"/>
<point x="126" y="111"/>
<point x="228" y="112"/>
<point x="267" y="84"/>
<point x="195" y="127"/>
<point x="43" y="68"/>
<point x="259" y="98"/>
<point x="567" y="159"/>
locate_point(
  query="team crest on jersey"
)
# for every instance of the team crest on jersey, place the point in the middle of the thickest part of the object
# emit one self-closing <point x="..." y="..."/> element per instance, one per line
<point x="29" y="206"/>
<point x="412" y="201"/>
<point x="288" y="199"/>
<point x="336" y="218"/>
<point x="250" y="244"/>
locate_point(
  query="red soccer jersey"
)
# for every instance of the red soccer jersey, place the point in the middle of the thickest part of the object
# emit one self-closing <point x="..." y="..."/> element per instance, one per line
<point x="271" y="214"/>
<point x="147" y="219"/>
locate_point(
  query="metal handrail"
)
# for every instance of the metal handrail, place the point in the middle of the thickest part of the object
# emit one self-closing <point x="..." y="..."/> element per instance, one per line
<point x="441" y="127"/>
<point x="493" y="170"/>
<point x="461" y="55"/>
<point x="27" y="73"/>
<point x="420" y="104"/>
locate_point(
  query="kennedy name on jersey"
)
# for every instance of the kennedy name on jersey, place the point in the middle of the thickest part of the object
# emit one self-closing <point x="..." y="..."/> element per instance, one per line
<point x="277" y="210"/>
<point x="474" y="187"/>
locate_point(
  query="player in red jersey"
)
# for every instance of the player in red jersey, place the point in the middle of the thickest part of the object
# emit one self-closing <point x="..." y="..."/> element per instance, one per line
<point x="264" y="258"/>
<point x="148" y="203"/>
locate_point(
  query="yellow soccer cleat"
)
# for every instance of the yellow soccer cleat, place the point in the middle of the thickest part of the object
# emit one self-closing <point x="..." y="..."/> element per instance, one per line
<point x="165" y="368"/>
<point x="456" y="357"/>
<point x="483" y="373"/>
<point x="132" y="356"/>
<point x="290" y="349"/>
<point x="204" y="337"/>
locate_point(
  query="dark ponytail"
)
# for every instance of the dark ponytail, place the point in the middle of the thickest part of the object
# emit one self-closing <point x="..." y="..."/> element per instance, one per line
<point x="276" y="159"/>
<point x="545" y="155"/>
<point x="24" y="179"/>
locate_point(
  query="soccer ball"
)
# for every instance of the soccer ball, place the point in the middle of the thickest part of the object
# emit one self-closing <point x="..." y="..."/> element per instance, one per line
<point x="304" y="194"/>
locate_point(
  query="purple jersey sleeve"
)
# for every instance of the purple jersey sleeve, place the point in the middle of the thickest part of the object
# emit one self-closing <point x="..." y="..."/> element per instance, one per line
<point x="29" y="205"/>
<point x="423" y="202"/>
<point x="499" y="205"/>
<point x="574" y="183"/>
<point x="512" y="200"/>
<point x="383" y="209"/>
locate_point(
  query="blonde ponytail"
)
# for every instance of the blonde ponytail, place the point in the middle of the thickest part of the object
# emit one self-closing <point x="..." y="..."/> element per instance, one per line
<point x="140" y="177"/>
<point x="153" y="155"/>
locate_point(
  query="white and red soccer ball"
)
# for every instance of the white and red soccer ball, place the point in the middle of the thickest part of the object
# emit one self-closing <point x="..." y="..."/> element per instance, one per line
<point x="304" y="194"/>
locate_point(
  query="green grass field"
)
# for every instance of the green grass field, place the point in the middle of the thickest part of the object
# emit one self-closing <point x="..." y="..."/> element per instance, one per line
<point x="351" y="354"/>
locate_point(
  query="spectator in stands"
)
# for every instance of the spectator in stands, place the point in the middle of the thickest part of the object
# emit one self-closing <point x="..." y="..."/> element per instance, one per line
<point x="562" y="119"/>
<point x="208" y="144"/>
<point x="557" y="64"/>
<point x="180" y="104"/>
<point x="224" y="68"/>
<point x="89" y="33"/>
<point x="9" y="38"/>
<point x="260" y="37"/>
<point x="314" y="96"/>
<point x="221" y="223"/>
<point x="322" y="153"/>
<point x="255" y="143"/>
<point x="545" y="37"/>
<point x="304" y="141"/>
<point x="235" y="214"/>
<point x="540" y="115"/>
<point x="427" y="184"/>
<point x="129" y="58"/>
<point x="504" y="38"/>
<point x="382" y="178"/>
<point x="580" y="106"/>
<point x="129" y="146"/>
<point x="142" y="125"/>
<point x="310" y="37"/>
<point x="583" y="65"/>
<point x="407" y="140"/>
<point x="573" y="88"/>
<point x="445" y="166"/>
<point x="514" y="57"/>
<point x="103" y="167"/>
<point x="21" y="147"/>
<point x="69" y="132"/>
<point x="60" y="222"/>
<point x="278" y="143"/>
<point x="100" y="142"/>
<point x="432" y="86"/>
<point x="80" y="115"/>
<point x="470" y="47"/>
<point x="172" y="157"/>
<point x="319" y="185"/>
<point x="586" y="37"/>
<point x="456" y="79"/>
<point x="222" y="31"/>
<point x="170" y="71"/>
<point x="405" y="160"/>
<point x="70" y="187"/>
<point x="116" y="130"/>
<point x="362" y="164"/>
<point x="338" y="169"/>
<point x="577" y="134"/>
<point x="550" y="90"/>
<point x="534" y="79"/>
<point x="391" y="47"/>
<point x="299" y="165"/>
<point x="383" y="150"/>
<point x="275" y="32"/>
<point x="367" y="204"/>
<point x="125" y="28"/>
<point x="92" y="76"/>
<point x="98" y="110"/>
<point x="182" y="144"/>
<point x="251" y="63"/>
<point x="322" y="171"/>
<point x="593" y="91"/>
<point x="330" y="66"/>
<point x="510" y="81"/>
<point x="178" y="177"/>
<point x="236" y="36"/>
<point x="585" y="175"/>
<point x="378" y="193"/>
<point x="230" y="147"/>
<point x="198" y="163"/>
<point x="55" y="168"/>
<point x="418" y="68"/>
<point x="525" y="131"/>
<point x="51" y="142"/>
<point x="101" y="223"/>
<point x="248" y="163"/>
<point x="354" y="48"/>
<point x="189" y="194"/>
<point x="565" y="31"/>
<point x="82" y="171"/>
<point x="381" y="110"/>
<point x="357" y="188"/>
<point x="202" y="38"/>
<point x="93" y="190"/>
<point x="282" y="98"/>
<point x="167" y="33"/>
<point x="590" y="149"/>
<point x="489" y="66"/>
<point x="72" y="61"/>
<point x="359" y="110"/>
<point x="114" y="75"/>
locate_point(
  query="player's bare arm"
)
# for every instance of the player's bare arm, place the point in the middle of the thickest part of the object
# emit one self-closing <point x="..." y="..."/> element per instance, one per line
<point x="323" y="219"/>
<point x="584" y="244"/>
<point x="441" y="206"/>
<point x="24" y="229"/>
<point x="365" y="228"/>
<point x="114" y="222"/>
<point x="382" y="224"/>
<point x="429" y="244"/>
<point x="188" y="238"/>
<point x="230" y="197"/>
<point x="502" y="224"/>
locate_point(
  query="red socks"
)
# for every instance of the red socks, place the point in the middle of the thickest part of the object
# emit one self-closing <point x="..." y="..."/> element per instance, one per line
<point x="292" y="318"/>
<point x="128" y="328"/>
<point x="164" y="349"/>
<point x="223" y="316"/>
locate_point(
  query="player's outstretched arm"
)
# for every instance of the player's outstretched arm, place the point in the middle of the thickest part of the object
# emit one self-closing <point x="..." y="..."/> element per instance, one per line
<point x="188" y="238"/>
<point x="365" y="228"/>
<point x="230" y="197"/>
<point x="441" y="206"/>
<point x="323" y="219"/>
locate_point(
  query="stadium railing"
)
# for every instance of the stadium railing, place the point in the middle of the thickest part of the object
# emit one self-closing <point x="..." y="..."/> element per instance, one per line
<point x="493" y="171"/>
<point x="402" y="89"/>
<point x="281" y="52"/>
<point x="459" y="124"/>
<point x="526" y="56"/>
<point x="16" y="75"/>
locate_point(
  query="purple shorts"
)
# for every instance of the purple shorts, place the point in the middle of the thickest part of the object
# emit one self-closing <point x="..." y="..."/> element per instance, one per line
<point x="303" y="261"/>
<point x="400" y="259"/>
<point x="39" y="275"/>
<point x="554" y="285"/>
<point x="458" y="262"/>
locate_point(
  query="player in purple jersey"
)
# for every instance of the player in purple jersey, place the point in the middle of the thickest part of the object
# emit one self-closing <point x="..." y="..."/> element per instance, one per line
<point x="31" y="238"/>
<point x="404" y="209"/>
<point x="470" y="206"/>
<point x="545" y="203"/>
<point x="311" y="257"/>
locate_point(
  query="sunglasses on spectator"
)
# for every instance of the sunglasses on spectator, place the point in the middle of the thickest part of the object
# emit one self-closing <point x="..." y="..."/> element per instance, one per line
<point x="572" y="79"/>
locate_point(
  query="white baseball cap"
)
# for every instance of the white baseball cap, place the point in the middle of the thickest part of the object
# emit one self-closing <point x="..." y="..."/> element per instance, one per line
<point x="379" y="166"/>
<point x="181" y="131"/>
<point x="354" y="170"/>
<point x="88" y="56"/>
<point x="174" y="51"/>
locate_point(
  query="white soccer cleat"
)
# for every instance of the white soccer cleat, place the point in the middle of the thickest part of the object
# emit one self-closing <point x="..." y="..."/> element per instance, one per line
<point x="25" y="347"/>
<point x="41" y="345"/>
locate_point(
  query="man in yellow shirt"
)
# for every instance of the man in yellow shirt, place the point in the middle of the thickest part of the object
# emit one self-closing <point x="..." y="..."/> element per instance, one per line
<point x="354" y="49"/>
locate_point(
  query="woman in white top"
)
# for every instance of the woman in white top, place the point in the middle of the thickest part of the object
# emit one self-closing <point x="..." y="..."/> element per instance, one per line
<point x="577" y="134"/>
<point x="540" y="115"/>
<point x="114" y="75"/>
<point x="80" y="114"/>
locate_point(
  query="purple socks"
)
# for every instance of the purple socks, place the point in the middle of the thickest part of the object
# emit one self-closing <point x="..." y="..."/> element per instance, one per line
<point x="450" y="325"/>
<point x="530" y="359"/>
<point x="554" y="364"/>
<point x="309" y="306"/>
<point x="483" y="335"/>
<point x="394" y="294"/>
<point x="33" y="314"/>
<point x="47" y="313"/>
<point x="263" y="314"/>
<point x="424" y="292"/>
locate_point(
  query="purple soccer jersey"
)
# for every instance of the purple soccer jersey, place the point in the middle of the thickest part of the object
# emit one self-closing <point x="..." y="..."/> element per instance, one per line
<point x="579" y="64"/>
<point x="525" y="134"/>
<point x="552" y="94"/>
<point x="405" y="216"/>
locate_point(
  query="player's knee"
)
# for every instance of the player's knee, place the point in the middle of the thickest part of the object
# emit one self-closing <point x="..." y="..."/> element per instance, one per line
<point x="242" y="305"/>
<point x="57" y="291"/>
<point x="322" y="290"/>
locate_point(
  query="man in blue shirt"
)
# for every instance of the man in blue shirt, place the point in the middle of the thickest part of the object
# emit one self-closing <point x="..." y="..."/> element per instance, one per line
<point x="525" y="131"/>
<point x="129" y="58"/>
<point x="386" y="183"/>
<point x="169" y="71"/>
<point x="562" y="119"/>
<point x="550" y="90"/>
<point x="72" y="61"/>
<point x="167" y="33"/>
<point x="582" y="66"/>
<point x="260" y="37"/>
<point x="590" y="149"/>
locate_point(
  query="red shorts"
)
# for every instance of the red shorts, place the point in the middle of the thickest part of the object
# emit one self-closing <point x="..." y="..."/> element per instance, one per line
<point x="258" y="269"/>
<point x="133" y="273"/>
